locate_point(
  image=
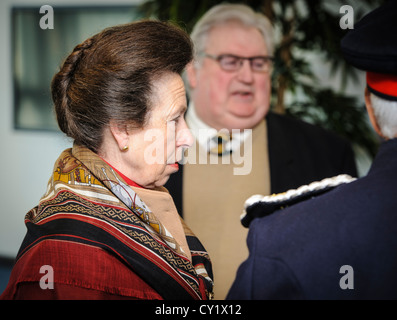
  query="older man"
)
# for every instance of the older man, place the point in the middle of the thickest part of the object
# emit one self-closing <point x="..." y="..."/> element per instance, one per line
<point x="230" y="88"/>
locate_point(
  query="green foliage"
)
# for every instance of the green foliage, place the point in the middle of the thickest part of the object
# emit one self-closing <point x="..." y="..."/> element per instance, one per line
<point x="302" y="26"/>
<point x="339" y="113"/>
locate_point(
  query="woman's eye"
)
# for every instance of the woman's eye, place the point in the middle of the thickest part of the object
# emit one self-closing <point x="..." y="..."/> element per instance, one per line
<point x="176" y="119"/>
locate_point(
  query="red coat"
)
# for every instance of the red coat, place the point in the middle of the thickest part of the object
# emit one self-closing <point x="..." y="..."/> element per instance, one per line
<point x="78" y="272"/>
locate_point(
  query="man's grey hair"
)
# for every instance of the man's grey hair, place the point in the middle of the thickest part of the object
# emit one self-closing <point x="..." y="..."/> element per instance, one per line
<point x="385" y="112"/>
<point x="224" y="13"/>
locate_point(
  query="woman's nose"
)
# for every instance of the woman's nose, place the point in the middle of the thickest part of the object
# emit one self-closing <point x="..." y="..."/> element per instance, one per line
<point x="184" y="136"/>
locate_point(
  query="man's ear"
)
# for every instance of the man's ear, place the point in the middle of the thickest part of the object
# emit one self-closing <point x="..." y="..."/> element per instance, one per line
<point x="120" y="134"/>
<point x="191" y="74"/>
<point x="370" y="111"/>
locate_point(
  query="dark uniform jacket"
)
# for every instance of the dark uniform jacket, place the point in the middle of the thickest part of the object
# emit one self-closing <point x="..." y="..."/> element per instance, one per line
<point x="340" y="245"/>
<point x="299" y="153"/>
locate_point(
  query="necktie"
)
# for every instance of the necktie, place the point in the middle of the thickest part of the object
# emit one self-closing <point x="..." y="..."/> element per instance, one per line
<point x="221" y="144"/>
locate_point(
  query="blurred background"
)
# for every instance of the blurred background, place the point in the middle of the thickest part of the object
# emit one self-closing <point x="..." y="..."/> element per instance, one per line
<point x="311" y="81"/>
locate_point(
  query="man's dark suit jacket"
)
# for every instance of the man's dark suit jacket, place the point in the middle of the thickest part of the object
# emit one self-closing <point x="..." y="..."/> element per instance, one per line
<point x="299" y="252"/>
<point x="299" y="153"/>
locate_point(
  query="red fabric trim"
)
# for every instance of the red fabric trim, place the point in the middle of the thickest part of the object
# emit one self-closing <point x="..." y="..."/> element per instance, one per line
<point x="383" y="83"/>
<point x="125" y="178"/>
<point x="128" y="180"/>
<point x="80" y="272"/>
<point x="202" y="289"/>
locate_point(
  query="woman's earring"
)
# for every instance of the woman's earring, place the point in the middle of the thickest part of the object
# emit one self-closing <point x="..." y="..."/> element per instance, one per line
<point x="125" y="148"/>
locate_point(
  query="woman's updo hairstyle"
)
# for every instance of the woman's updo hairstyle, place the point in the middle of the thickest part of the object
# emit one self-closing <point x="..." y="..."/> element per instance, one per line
<point x="110" y="76"/>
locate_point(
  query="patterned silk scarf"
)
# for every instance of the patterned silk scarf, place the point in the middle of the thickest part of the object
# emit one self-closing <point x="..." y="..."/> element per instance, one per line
<point x="88" y="202"/>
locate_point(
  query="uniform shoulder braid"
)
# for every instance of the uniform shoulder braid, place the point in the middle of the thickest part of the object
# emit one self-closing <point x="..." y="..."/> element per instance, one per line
<point x="258" y="206"/>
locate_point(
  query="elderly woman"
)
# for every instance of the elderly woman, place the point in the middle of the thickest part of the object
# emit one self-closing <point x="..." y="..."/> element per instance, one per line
<point x="106" y="227"/>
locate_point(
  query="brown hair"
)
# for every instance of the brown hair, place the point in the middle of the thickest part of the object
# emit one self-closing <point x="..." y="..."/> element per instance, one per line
<point x="110" y="76"/>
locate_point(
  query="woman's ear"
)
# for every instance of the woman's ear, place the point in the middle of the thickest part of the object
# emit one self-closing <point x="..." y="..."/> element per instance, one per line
<point x="120" y="135"/>
<point x="371" y="114"/>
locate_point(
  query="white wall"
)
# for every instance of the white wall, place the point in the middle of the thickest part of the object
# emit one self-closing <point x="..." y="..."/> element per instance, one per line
<point x="26" y="157"/>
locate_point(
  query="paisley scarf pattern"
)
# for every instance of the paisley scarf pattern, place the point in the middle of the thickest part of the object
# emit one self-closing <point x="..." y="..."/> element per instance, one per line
<point x="86" y="201"/>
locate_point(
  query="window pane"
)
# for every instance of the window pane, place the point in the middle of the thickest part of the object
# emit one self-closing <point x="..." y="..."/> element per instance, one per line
<point x="38" y="53"/>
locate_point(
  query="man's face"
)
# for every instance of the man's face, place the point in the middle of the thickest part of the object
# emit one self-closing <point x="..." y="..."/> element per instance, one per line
<point x="231" y="100"/>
